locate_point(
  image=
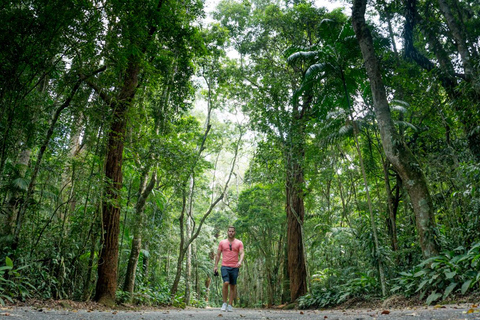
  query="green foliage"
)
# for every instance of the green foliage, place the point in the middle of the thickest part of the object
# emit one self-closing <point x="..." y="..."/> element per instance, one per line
<point x="330" y="289"/>
<point x="146" y="295"/>
<point x="13" y="285"/>
<point x="438" y="277"/>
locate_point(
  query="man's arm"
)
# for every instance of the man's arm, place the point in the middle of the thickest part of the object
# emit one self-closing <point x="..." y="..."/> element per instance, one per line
<point x="240" y="259"/>
<point x="217" y="258"/>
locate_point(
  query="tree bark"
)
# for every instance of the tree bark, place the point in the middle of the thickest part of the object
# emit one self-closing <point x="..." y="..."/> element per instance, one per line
<point x="395" y="149"/>
<point x="297" y="271"/>
<point x="107" y="264"/>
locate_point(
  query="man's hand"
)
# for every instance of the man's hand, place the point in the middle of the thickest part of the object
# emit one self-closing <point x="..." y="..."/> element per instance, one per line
<point x="238" y="265"/>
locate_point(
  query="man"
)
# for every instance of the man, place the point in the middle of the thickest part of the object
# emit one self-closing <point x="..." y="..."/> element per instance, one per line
<point x="232" y="253"/>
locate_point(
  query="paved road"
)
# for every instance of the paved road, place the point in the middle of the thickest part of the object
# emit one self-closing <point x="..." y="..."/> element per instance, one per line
<point x="453" y="312"/>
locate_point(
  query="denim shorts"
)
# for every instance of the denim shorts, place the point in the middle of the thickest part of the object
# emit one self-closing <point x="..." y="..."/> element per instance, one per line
<point x="229" y="274"/>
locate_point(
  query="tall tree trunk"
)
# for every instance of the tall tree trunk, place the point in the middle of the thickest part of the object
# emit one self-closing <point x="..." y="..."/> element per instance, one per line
<point x="395" y="149"/>
<point x="144" y="192"/>
<point x="107" y="264"/>
<point x="188" y="231"/>
<point x="297" y="271"/>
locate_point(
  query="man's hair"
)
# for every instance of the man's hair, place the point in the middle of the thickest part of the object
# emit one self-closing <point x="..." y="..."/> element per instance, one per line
<point x="231" y="227"/>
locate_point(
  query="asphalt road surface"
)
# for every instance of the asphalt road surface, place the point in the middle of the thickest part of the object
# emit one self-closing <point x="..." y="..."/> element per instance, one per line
<point x="454" y="312"/>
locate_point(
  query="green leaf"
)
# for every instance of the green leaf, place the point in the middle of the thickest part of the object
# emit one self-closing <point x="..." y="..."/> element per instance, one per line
<point x="449" y="290"/>
<point x="421" y="285"/>
<point x="450" y="275"/>
<point x="21" y="183"/>
<point x="466" y="285"/>
<point x="9" y="262"/>
<point x="434" y="296"/>
<point x="420" y="273"/>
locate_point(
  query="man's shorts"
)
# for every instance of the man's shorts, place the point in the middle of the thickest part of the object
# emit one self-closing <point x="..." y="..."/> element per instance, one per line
<point x="229" y="274"/>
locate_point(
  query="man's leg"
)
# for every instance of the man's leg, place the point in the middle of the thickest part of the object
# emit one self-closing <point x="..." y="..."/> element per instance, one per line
<point x="232" y="294"/>
<point x="225" y="291"/>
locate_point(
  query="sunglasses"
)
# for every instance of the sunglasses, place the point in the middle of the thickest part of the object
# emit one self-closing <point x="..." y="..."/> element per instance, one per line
<point x="230" y="246"/>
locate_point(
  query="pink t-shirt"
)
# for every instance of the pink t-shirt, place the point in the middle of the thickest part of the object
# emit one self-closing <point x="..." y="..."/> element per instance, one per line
<point x="230" y="257"/>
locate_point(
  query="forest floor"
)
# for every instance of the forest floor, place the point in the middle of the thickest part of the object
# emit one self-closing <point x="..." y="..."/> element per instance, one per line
<point x="392" y="308"/>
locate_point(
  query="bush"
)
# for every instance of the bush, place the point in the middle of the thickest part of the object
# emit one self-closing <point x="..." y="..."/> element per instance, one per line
<point x="438" y="277"/>
<point x="147" y="296"/>
<point x="12" y="284"/>
<point x="327" y="289"/>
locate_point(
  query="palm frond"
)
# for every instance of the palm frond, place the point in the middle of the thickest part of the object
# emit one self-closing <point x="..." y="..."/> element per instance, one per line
<point x="406" y="124"/>
<point x="336" y="113"/>
<point x="398" y="108"/>
<point x="21" y="183"/>
<point x="314" y="70"/>
<point x="400" y="103"/>
<point x="301" y="56"/>
<point x="346" y="129"/>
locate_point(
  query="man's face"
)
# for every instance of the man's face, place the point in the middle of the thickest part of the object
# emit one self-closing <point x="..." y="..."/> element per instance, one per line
<point x="231" y="233"/>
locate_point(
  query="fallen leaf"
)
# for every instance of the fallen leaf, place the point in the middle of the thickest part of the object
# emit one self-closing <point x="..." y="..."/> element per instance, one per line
<point x="220" y="315"/>
<point x="114" y="312"/>
<point x="385" y="312"/>
<point x="412" y="314"/>
<point x="325" y="317"/>
<point x="474" y="305"/>
<point x="471" y="311"/>
<point x="301" y="312"/>
<point x="438" y="306"/>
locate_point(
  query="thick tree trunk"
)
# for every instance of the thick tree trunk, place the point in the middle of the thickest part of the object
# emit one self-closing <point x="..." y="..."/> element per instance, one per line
<point x="108" y="261"/>
<point x="395" y="149"/>
<point x="297" y="271"/>
<point x="107" y="264"/>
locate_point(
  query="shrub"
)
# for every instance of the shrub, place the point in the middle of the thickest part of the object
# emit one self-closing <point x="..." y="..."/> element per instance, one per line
<point x="439" y="276"/>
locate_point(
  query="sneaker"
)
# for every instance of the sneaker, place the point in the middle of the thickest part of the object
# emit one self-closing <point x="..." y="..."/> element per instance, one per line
<point x="229" y="308"/>
<point x="224" y="306"/>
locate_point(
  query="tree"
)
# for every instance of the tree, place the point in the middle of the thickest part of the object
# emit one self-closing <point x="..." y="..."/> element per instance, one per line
<point x="395" y="149"/>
